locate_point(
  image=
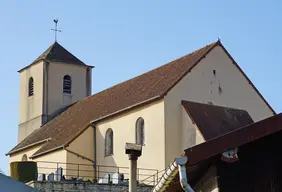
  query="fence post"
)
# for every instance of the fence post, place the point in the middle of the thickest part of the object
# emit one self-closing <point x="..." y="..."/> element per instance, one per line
<point x="77" y="170"/>
<point x="157" y="175"/>
<point x="137" y="174"/>
<point x="98" y="174"/>
<point x="57" y="175"/>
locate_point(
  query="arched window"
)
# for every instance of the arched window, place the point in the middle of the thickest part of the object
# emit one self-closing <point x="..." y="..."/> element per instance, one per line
<point x="24" y="158"/>
<point x="67" y="84"/>
<point x="140" y="132"/>
<point x="30" y="87"/>
<point x="109" y="142"/>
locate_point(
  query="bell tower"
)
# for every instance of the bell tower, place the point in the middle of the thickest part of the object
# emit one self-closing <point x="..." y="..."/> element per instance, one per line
<point x="49" y="85"/>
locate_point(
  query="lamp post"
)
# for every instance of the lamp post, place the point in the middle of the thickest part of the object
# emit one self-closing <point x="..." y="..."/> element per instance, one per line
<point x="134" y="151"/>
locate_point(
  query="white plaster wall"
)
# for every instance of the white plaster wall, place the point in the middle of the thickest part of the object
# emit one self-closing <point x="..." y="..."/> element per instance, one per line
<point x="30" y="114"/>
<point x="56" y="97"/>
<point x="123" y="127"/>
<point x="201" y="85"/>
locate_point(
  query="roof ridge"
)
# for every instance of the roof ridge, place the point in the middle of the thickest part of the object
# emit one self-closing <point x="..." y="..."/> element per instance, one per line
<point x="46" y="52"/>
<point x="135" y="77"/>
<point x="62" y="47"/>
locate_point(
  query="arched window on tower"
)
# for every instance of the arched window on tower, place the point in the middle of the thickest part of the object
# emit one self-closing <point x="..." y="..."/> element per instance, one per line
<point x="140" y="131"/>
<point x="109" y="142"/>
<point x="30" y="87"/>
<point x="24" y="158"/>
<point x="67" y="84"/>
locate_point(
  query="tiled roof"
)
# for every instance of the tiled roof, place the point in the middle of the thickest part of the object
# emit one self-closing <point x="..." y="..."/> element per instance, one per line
<point x="214" y="121"/>
<point x="58" y="53"/>
<point x="150" y="85"/>
<point x="134" y="92"/>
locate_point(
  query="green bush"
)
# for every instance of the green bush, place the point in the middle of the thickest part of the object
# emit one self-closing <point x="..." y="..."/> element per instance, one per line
<point x="24" y="171"/>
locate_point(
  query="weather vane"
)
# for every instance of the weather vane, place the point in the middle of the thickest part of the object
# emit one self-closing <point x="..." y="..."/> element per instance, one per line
<point x="56" y="29"/>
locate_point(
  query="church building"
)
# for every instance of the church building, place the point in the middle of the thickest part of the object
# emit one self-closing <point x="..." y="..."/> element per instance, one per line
<point x="61" y="121"/>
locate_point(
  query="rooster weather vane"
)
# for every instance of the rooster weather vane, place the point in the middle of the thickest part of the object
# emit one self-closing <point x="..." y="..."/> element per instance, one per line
<point x="56" y="29"/>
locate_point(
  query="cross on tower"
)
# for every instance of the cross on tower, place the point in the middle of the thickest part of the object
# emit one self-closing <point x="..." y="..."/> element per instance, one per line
<point x="56" y="30"/>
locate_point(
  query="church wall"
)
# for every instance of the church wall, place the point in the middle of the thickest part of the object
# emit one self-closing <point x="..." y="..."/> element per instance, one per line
<point x="30" y="116"/>
<point x="83" y="146"/>
<point x="227" y="87"/>
<point x="28" y="127"/>
<point x="49" y="162"/>
<point x="79" y="167"/>
<point x="123" y="127"/>
<point x="46" y="163"/>
<point x="19" y="155"/>
<point x="56" y="98"/>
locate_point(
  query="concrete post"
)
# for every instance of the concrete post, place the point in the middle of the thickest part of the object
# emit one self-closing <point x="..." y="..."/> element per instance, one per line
<point x="134" y="151"/>
<point x="132" y="174"/>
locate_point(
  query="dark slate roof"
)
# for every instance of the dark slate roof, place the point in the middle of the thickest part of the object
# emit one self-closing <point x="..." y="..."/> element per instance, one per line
<point x="137" y="91"/>
<point x="214" y="121"/>
<point x="7" y="184"/>
<point x="57" y="53"/>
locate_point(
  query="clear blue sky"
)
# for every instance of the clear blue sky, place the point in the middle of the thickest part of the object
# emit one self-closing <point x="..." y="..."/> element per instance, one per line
<point x="125" y="38"/>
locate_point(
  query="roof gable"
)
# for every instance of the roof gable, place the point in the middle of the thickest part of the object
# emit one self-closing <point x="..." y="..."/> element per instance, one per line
<point x="148" y="87"/>
<point x="213" y="121"/>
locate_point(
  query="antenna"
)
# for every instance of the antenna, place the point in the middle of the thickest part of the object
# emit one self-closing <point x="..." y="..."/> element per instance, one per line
<point x="56" y="29"/>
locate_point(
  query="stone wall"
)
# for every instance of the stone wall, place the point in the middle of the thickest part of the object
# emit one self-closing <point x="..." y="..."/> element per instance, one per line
<point x="67" y="186"/>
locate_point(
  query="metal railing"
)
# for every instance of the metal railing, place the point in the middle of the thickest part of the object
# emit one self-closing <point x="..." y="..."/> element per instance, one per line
<point x="93" y="173"/>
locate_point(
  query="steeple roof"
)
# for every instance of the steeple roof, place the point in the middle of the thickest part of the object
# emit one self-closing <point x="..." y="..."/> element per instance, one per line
<point x="57" y="53"/>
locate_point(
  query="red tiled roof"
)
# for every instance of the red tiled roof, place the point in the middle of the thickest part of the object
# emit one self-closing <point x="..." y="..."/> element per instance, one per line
<point x="142" y="89"/>
<point x="213" y="121"/>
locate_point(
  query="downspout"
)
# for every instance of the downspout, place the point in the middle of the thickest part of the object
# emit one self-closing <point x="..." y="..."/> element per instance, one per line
<point x="95" y="149"/>
<point x="171" y="172"/>
<point x="182" y="174"/>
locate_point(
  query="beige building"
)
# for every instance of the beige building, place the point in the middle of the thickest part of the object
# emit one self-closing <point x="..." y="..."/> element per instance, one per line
<point x="61" y="122"/>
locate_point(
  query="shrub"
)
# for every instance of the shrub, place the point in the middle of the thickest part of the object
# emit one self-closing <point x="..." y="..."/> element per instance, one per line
<point x="24" y="171"/>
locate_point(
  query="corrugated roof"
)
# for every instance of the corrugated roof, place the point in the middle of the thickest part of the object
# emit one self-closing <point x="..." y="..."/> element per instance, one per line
<point x="213" y="121"/>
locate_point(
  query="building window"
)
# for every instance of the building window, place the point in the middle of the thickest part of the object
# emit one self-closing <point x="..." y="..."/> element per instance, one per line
<point x="24" y="158"/>
<point x="30" y="87"/>
<point x="140" y="132"/>
<point x="109" y="142"/>
<point x="67" y="84"/>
